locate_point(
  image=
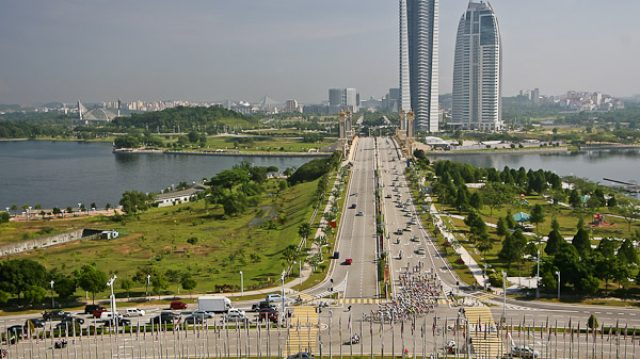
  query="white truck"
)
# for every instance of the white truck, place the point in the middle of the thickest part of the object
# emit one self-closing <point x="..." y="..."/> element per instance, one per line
<point x="215" y="304"/>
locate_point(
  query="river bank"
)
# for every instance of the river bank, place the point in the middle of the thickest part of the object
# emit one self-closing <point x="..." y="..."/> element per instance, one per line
<point x="222" y="153"/>
<point x="526" y="150"/>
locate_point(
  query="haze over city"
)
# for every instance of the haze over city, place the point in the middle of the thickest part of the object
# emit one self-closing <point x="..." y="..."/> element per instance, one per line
<point x="214" y="50"/>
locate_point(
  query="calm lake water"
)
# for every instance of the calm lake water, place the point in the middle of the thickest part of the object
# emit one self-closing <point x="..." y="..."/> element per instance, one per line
<point x="594" y="165"/>
<point x="64" y="173"/>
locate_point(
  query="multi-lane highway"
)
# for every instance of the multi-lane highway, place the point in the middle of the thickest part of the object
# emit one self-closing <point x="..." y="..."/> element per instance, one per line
<point x="357" y="231"/>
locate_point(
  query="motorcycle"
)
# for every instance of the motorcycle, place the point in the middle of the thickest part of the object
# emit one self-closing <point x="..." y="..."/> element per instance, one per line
<point x="355" y="339"/>
<point x="60" y="344"/>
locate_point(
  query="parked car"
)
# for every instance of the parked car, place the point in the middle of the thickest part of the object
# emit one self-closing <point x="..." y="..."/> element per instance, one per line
<point x="262" y="305"/>
<point x="524" y="352"/>
<point x="69" y="327"/>
<point x="269" y="314"/>
<point x="120" y="322"/>
<point x="72" y="319"/>
<point x="98" y="312"/>
<point x="164" y="317"/>
<point x="177" y="305"/>
<point x="16" y="330"/>
<point x="54" y="315"/>
<point x="274" y="297"/>
<point x="194" y="319"/>
<point x="90" y="308"/>
<point x="203" y="314"/>
<point x="134" y="312"/>
<point x="34" y="322"/>
<point x="235" y="315"/>
<point x="301" y="355"/>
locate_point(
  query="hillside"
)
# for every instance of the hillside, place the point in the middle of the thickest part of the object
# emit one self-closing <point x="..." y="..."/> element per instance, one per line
<point x="208" y="119"/>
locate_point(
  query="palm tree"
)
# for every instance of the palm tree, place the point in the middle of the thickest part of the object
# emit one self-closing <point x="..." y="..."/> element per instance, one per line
<point x="304" y="230"/>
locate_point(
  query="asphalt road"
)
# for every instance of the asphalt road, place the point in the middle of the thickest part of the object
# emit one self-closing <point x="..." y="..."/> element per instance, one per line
<point x="357" y="232"/>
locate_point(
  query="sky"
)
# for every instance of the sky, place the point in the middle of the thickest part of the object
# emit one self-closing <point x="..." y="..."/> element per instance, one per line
<point x="211" y="50"/>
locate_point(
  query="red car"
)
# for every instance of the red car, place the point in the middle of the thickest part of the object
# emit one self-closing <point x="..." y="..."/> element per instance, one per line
<point x="348" y="261"/>
<point x="176" y="305"/>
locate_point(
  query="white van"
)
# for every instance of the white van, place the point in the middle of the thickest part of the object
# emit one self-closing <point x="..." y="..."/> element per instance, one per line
<point x="108" y="315"/>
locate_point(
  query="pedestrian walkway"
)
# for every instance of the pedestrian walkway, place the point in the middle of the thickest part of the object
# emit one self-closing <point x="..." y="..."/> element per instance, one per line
<point x="482" y="330"/>
<point x="302" y="334"/>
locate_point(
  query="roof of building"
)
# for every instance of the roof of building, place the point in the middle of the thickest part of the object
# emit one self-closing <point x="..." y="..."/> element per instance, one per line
<point x="187" y="192"/>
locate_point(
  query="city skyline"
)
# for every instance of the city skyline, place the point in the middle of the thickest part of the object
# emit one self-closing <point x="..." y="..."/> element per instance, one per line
<point x="138" y="51"/>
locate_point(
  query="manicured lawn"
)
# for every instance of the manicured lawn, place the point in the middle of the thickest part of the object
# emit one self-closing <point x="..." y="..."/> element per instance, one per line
<point x="277" y="144"/>
<point x="224" y="246"/>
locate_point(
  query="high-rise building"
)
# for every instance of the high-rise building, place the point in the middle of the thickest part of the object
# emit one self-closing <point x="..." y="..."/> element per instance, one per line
<point x="343" y="99"/>
<point x="405" y="90"/>
<point x="335" y="97"/>
<point x="477" y="73"/>
<point x="422" y="44"/>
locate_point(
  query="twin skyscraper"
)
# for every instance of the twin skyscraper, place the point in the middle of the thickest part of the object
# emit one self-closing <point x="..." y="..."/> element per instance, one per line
<point x="477" y="87"/>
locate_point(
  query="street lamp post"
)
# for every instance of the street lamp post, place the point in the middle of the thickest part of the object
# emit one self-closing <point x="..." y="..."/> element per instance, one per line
<point x="538" y="276"/>
<point x="241" y="284"/>
<point x="146" y="289"/>
<point x="52" y="283"/>
<point x="558" y="274"/>
<point x="282" y="280"/>
<point x="112" y="297"/>
<point x="504" y="297"/>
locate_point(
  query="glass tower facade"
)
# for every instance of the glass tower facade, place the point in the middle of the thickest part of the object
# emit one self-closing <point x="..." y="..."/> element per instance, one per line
<point x="477" y="71"/>
<point x="423" y="32"/>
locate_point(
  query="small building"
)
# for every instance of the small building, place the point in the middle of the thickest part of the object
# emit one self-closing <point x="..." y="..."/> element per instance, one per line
<point x="177" y="197"/>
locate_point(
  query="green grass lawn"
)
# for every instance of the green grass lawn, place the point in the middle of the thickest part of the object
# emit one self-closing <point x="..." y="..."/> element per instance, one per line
<point x="13" y="232"/>
<point x="268" y="144"/>
<point x="224" y="246"/>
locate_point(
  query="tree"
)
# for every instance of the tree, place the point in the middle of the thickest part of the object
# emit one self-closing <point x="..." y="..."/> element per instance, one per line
<point x="475" y="201"/>
<point x="574" y="199"/>
<point x="628" y="253"/>
<point x="159" y="282"/>
<point x="554" y="239"/>
<point x="35" y="294"/>
<point x="508" y="220"/>
<point x="4" y="217"/>
<point x="304" y="230"/>
<point x="289" y="254"/>
<point x="537" y="215"/>
<point x="234" y="203"/>
<point x="126" y="284"/>
<point x="134" y="201"/>
<point x="513" y="247"/>
<point x="495" y="195"/>
<point x="91" y="280"/>
<point x="581" y="240"/>
<point x="188" y="283"/>
<point x="174" y="276"/>
<point x="629" y="211"/>
<point x="501" y="227"/>
<point x="65" y="286"/>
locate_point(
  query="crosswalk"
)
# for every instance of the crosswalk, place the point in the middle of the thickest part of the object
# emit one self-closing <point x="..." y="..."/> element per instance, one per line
<point x="486" y="342"/>
<point x="303" y="332"/>
<point x="361" y="301"/>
